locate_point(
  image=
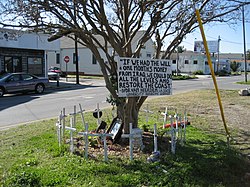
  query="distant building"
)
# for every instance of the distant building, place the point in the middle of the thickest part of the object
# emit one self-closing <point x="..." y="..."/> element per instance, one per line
<point x="22" y="51"/>
<point x="235" y="57"/>
<point x="189" y="62"/>
<point x="88" y="65"/>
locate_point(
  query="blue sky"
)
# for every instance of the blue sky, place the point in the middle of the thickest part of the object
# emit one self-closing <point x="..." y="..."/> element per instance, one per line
<point x="231" y="36"/>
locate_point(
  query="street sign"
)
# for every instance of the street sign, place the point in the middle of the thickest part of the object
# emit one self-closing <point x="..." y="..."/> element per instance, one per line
<point x="66" y="59"/>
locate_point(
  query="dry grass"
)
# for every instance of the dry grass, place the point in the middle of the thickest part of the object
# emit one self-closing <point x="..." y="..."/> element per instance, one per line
<point x="203" y="110"/>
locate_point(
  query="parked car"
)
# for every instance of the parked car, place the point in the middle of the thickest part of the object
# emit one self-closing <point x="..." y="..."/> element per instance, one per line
<point x="21" y="82"/>
<point x="57" y="70"/>
<point x="53" y="75"/>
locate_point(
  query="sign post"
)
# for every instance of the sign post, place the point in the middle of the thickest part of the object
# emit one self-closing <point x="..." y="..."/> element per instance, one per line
<point x="66" y="60"/>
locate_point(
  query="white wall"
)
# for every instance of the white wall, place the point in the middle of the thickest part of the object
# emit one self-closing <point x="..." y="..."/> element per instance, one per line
<point x="85" y="55"/>
<point x="51" y="58"/>
<point x="84" y="61"/>
<point x="191" y="67"/>
<point x="24" y="40"/>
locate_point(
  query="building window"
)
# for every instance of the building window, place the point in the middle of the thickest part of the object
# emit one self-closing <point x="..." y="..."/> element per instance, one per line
<point x="206" y="62"/>
<point x="195" y="61"/>
<point x="34" y="60"/>
<point x="186" y="62"/>
<point x="57" y="58"/>
<point x="35" y="65"/>
<point x="174" y="61"/>
<point x="149" y="55"/>
<point x="94" y="60"/>
<point x="12" y="64"/>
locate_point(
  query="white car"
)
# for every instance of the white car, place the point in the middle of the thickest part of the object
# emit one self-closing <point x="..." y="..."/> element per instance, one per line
<point x="53" y="75"/>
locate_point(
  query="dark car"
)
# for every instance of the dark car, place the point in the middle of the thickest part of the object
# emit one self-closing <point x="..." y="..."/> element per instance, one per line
<point x="21" y="82"/>
<point x="58" y="71"/>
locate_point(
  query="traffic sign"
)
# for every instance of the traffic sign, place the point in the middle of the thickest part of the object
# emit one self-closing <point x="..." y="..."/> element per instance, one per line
<point x="66" y="59"/>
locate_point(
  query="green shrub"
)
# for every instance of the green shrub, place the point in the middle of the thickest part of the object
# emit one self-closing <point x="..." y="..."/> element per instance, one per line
<point x="222" y="73"/>
<point x="234" y="66"/>
<point x="198" y="72"/>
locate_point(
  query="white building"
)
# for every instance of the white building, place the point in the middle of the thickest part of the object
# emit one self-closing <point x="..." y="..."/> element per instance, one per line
<point x="22" y="51"/>
<point x="86" y="60"/>
<point x="189" y="62"/>
<point x="235" y="57"/>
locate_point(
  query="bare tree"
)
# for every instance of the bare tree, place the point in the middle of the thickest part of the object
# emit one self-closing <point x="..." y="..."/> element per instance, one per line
<point x="117" y="22"/>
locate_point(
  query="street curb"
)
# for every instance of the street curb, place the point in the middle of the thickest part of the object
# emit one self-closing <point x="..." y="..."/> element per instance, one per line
<point x="63" y="84"/>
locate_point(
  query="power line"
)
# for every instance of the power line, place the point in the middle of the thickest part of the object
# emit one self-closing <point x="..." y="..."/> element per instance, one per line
<point x="226" y="41"/>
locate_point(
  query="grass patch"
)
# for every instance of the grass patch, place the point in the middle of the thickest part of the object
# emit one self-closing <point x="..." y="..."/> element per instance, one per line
<point x="244" y="82"/>
<point x="30" y="155"/>
<point x="183" y="77"/>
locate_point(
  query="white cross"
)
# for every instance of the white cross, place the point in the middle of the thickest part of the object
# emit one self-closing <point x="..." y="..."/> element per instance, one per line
<point x="131" y="137"/>
<point x="59" y="126"/>
<point x="103" y="136"/>
<point x="173" y="138"/>
<point x="176" y="123"/>
<point x="71" y="129"/>
<point x="165" y="114"/>
<point x="81" y="112"/>
<point x="74" y="116"/>
<point x="147" y="112"/>
<point x="155" y="138"/>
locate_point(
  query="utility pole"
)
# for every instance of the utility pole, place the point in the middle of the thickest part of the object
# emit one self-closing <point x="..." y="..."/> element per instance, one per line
<point x="244" y="41"/>
<point x="177" y="62"/>
<point x="177" y="53"/>
<point x="76" y="59"/>
<point x="76" y="49"/>
<point x="218" y="60"/>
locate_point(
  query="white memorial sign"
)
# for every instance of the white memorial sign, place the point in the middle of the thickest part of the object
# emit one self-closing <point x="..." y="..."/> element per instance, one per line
<point x="144" y="77"/>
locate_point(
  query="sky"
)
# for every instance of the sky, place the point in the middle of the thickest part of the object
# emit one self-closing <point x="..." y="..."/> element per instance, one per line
<point x="231" y="37"/>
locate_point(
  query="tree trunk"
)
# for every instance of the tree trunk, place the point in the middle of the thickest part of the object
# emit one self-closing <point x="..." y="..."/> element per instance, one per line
<point x="128" y="112"/>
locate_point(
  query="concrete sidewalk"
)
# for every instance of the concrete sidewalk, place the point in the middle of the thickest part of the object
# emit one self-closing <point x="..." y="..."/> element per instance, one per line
<point x="63" y="83"/>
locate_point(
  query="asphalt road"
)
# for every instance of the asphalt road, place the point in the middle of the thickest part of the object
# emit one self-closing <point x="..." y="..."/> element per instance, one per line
<point x="21" y="109"/>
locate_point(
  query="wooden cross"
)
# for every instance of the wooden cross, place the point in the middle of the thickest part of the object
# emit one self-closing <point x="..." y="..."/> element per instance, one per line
<point x="60" y="124"/>
<point x="173" y="137"/>
<point x="155" y="138"/>
<point x="176" y="116"/>
<point x="131" y="137"/>
<point x="147" y="112"/>
<point x="81" y="112"/>
<point x="71" y="129"/>
<point x="59" y="127"/>
<point x="103" y="136"/>
<point x="74" y="116"/>
<point x="183" y="128"/>
<point x="165" y="114"/>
